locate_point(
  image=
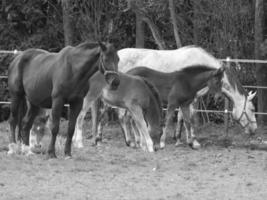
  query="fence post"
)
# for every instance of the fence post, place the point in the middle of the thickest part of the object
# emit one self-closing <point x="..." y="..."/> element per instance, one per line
<point x="226" y="106"/>
<point x="226" y="116"/>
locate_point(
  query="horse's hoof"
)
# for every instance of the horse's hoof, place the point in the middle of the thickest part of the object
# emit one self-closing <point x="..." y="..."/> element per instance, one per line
<point x="156" y="147"/>
<point x="51" y="156"/>
<point x="78" y="145"/>
<point x="195" y="144"/>
<point x="132" y="145"/>
<point x="151" y="149"/>
<point x="98" y="139"/>
<point x="68" y="157"/>
<point x="13" y="148"/>
<point x="10" y="152"/>
<point x="178" y="143"/>
<point x="162" y="145"/>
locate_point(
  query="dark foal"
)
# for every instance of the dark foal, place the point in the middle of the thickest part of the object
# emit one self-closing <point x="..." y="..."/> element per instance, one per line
<point x="134" y="94"/>
<point x="180" y="88"/>
<point x="50" y="80"/>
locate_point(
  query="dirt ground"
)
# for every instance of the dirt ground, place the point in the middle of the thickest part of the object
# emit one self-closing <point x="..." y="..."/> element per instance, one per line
<point x="222" y="169"/>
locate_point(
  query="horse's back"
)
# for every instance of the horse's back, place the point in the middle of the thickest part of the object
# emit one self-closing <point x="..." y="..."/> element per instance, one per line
<point x="165" y="60"/>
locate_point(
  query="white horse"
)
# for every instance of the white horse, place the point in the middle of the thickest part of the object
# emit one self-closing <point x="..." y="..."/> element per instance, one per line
<point x="175" y="60"/>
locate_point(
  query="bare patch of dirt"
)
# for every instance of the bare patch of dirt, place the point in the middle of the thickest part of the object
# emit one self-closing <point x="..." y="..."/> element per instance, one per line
<point x="224" y="168"/>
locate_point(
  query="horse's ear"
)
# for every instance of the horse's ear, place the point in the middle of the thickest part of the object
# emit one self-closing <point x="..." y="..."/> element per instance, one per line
<point x="251" y="95"/>
<point x="102" y="46"/>
<point x="220" y="71"/>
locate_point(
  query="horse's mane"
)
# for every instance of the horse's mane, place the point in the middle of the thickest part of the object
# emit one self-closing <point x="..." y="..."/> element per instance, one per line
<point x="87" y="45"/>
<point x="233" y="79"/>
<point x="155" y="93"/>
<point x="197" y="69"/>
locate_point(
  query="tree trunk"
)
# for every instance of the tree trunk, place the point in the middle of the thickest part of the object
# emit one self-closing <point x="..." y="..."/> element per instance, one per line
<point x="3" y="9"/>
<point x="174" y="24"/>
<point x="135" y="7"/>
<point x="261" y="69"/>
<point x="140" y="36"/>
<point x="68" y="24"/>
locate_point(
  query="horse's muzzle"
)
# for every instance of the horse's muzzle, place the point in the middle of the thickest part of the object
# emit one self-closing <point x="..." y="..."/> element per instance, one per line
<point x="112" y="78"/>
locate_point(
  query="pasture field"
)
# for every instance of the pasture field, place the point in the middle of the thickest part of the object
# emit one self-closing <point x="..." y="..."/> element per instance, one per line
<point x="223" y="169"/>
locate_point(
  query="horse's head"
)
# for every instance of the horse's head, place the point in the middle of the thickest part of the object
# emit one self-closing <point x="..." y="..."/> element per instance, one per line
<point x="109" y="60"/>
<point x="38" y="131"/>
<point x="243" y="108"/>
<point x="244" y="113"/>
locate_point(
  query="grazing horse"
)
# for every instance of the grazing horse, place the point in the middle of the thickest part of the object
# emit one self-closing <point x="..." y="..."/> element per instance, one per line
<point x="134" y="94"/>
<point x="175" y="60"/>
<point x="179" y="89"/>
<point x="50" y="80"/>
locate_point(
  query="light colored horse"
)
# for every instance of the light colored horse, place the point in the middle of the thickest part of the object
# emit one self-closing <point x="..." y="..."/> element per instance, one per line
<point x="176" y="60"/>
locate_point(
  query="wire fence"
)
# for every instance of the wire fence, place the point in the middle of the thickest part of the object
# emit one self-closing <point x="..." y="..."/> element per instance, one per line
<point x="228" y="60"/>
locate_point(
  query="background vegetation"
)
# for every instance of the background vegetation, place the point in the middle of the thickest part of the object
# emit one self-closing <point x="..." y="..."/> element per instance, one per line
<point x="224" y="28"/>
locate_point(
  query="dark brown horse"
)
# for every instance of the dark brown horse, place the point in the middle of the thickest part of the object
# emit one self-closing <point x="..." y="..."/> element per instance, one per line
<point x="50" y="80"/>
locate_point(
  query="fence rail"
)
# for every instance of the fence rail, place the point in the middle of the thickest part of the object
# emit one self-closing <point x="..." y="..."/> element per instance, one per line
<point x="227" y="60"/>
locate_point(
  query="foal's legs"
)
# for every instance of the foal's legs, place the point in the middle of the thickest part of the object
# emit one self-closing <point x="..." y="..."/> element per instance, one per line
<point x="57" y="106"/>
<point x="179" y="127"/>
<point x="125" y="123"/>
<point x="95" y="118"/>
<point x="75" y="108"/>
<point x="78" y="133"/>
<point x="169" y="122"/>
<point x="189" y="126"/>
<point x="138" y="117"/>
<point x="137" y="135"/>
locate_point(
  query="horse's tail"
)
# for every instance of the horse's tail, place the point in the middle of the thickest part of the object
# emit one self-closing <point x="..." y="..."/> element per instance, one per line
<point x="155" y="94"/>
<point x="16" y="68"/>
<point x="155" y="106"/>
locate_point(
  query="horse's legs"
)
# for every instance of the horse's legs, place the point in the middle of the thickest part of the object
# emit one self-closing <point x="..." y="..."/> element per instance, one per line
<point x="189" y="126"/>
<point x="27" y="122"/>
<point x="124" y="120"/>
<point x="13" y="121"/>
<point x="137" y="135"/>
<point x="138" y="117"/>
<point x="57" y="106"/>
<point x="179" y="127"/>
<point x="169" y="123"/>
<point x="78" y="133"/>
<point x="95" y="118"/>
<point x="75" y="108"/>
<point x="32" y="112"/>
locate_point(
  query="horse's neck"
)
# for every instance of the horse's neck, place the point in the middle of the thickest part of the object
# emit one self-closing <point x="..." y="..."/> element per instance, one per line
<point x="232" y="92"/>
<point x="84" y="62"/>
<point x="200" y="80"/>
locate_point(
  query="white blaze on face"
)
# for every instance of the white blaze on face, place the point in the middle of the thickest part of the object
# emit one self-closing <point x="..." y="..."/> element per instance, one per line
<point x="242" y="110"/>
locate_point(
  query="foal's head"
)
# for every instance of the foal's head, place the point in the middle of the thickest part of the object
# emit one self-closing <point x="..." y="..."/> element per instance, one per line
<point x="109" y="60"/>
<point x="38" y="130"/>
<point x="215" y="82"/>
